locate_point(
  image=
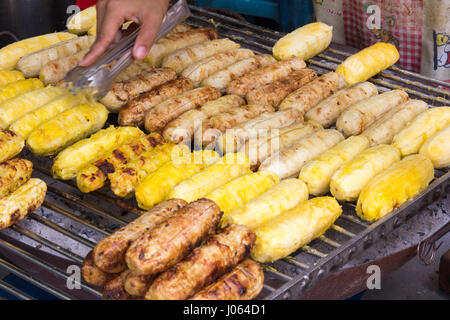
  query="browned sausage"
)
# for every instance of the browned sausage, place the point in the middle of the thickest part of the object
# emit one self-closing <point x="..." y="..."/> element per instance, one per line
<point x="219" y="254"/>
<point x="244" y="282"/>
<point x="114" y="289"/>
<point x="109" y="252"/>
<point x="134" y="111"/>
<point x="137" y="285"/>
<point x="252" y="80"/>
<point x="275" y="92"/>
<point x="92" y="274"/>
<point x="171" y="241"/>
<point x="159" y="116"/>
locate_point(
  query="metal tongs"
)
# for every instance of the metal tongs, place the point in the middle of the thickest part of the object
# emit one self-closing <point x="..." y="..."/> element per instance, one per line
<point x="97" y="79"/>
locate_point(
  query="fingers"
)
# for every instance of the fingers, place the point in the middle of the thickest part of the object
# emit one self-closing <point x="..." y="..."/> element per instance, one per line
<point x="112" y="20"/>
<point x="145" y="39"/>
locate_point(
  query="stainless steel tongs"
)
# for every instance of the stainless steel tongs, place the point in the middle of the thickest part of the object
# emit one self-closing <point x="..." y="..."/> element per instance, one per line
<point x="97" y="79"/>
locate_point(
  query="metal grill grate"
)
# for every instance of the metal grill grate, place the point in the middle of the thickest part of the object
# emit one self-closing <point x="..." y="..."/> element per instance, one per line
<point x="81" y="220"/>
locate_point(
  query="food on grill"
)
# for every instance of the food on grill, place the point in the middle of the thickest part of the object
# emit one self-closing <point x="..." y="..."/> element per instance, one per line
<point x="392" y="122"/>
<point x="437" y="148"/>
<point x="317" y="173"/>
<point x="159" y="116"/>
<point x="276" y="91"/>
<point x="308" y="96"/>
<point x="244" y="282"/>
<point x="368" y="62"/>
<point x="126" y="178"/>
<point x="295" y="228"/>
<point x="348" y="181"/>
<point x="30" y="65"/>
<point x="10" y="76"/>
<point x="221" y="79"/>
<point x="94" y="176"/>
<point x="220" y="253"/>
<point x="109" y="253"/>
<point x="155" y="188"/>
<point x="289" y="161"/>
<point x="218" y="124"/>
<point x="15" y="88"/>
<point x="178" y="40"/>
<point x="114" y="289"/>
<point x="228" y="168"/>
<point x="329" y="110"/>
<point x="394" y="186"/>
<point x="202" y="69"/>
<point x="133" y="113"/>
<point x="92" y="31"/>
<point x="13" y="174"/>
<point x="83" y="21"/>
<point x="92" y="274"/>
<point x="272" y="72"/>
<point x="262" y="147"/>
<point x="71" y="160"/>
<point x="133" y="70"/>
<point x="56" y="70"/>
<point x="305" y="42"/>
<point x="184" y="126"/>
<point x="170" y="242"/>
<point x="66" y="128"/>
<point x="242" y="190"/>
<point x="422" y="127"/>
<point x="232" y="140"/>
<point x="183" y="58"/>
<point x="137" y="285"/>
<point x="281" y="197"/>
<point x="358" y="117"/>
<point x="124" y="91"/>
<point x="34" y="119"/>
<point x="13" y="109"/>
<point x="23" y="201"/>
<point x="10" y="54"/>
<point x="10" y="145"/>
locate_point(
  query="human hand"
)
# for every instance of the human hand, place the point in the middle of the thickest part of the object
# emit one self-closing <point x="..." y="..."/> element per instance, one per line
<point x="111" y="14"/>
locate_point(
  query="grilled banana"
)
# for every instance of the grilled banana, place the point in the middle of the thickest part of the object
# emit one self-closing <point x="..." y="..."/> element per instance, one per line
<point x="13" y="174"/>
<point x="437" y="148"/>
<point x="10" y="145"/>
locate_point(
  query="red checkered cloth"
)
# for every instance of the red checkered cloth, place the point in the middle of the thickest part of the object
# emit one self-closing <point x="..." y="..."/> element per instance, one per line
<point x="401" y="24"/>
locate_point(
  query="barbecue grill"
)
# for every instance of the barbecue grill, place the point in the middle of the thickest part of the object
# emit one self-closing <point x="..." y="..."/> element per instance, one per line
<point x="58" y="235"/>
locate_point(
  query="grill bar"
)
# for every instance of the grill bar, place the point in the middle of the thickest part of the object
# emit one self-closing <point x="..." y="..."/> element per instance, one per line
<point x="14" y="291"/>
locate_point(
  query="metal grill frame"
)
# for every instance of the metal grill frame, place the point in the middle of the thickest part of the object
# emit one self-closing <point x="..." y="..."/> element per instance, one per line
<point x="287" y="278"/>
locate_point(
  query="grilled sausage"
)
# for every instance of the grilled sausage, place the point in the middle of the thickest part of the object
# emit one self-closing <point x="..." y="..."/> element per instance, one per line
<point x="218" y="124"/>
<point x="328" y="111"/>
<point x="235" y="138"/>
<point x="92" y="274"/>
<point x="137" y="285"/>
<point x="305" y="98"/>
<point x="56" y="70"/>
<point x="202" y="69"/>
<point x="276" y="91"/>
<point x="109" y="252"/>
<point x="252" y="80"/>
<point x="182" y="58"/>
<point x="158" y="117"/>
<point x="13" y="174"/>
<point x="168" y="243"/>
<point x="178" y="40"/>
<point x="122" y="92"/>
<point x="184" y="126"/>
<point x="114" y="289"/>
<point x="22" y="202"/>
<point x="221" y="79"/>
<point x="361" y="115"/>
<point x="133" y="113"/>
<point x="216" y="256"/>
<point x="290" y="161"/>
<point x="392" y="122"/>
<point x="134" y="69"/>
<point x="244" y="282"/>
